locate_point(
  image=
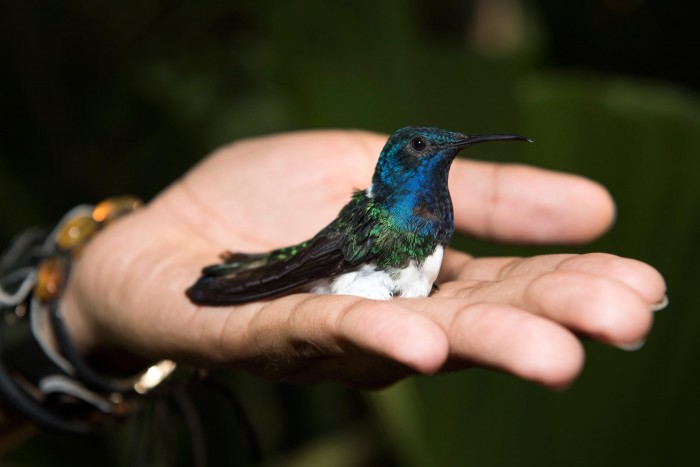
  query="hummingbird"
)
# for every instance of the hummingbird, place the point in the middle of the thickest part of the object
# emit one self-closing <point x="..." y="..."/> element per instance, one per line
<point x="387" y="241"/>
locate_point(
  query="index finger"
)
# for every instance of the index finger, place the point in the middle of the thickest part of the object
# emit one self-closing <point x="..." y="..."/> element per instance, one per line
<point x="520" y="204"/>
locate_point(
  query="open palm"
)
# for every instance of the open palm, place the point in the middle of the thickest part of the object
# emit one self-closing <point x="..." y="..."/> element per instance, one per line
<point x="519" y="315"/>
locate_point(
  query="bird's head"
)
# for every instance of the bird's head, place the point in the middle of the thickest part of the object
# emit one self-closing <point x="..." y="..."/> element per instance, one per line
<point x="417" y="158"/>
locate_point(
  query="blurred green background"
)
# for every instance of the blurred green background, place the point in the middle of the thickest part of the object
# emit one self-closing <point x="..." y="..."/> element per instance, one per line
<point x="101" y="98"/>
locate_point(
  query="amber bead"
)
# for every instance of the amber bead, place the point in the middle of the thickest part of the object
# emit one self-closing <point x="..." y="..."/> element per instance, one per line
<point x="115" y="207"/>
<point x="51" y="276"/>
<point x="75" y="231"/>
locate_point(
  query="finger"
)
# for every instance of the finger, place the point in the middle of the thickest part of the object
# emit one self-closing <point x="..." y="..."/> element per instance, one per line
<point x="457" y="265"/>
<point x="516" y="203"/>
<point x="596" y="306"/>
<point x="638" y="276"/>
<point x="294" y="333"/>
<point x="509" y="339"/>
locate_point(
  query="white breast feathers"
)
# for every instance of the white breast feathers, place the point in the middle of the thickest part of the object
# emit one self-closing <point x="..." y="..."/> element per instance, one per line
<point x="415" y="280"/>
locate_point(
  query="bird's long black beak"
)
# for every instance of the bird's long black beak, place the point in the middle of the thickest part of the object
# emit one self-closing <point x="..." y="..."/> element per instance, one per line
<point x="476" y="139"/>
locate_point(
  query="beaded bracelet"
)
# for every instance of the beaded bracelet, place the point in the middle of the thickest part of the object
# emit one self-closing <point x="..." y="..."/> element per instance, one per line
<point x="41" y="373"/>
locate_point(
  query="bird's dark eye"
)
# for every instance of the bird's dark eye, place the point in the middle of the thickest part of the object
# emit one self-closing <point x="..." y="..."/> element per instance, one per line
<point x="418" y="143"/>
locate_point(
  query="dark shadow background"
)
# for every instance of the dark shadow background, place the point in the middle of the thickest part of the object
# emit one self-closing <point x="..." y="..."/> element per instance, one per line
<point x="102" y="98"/>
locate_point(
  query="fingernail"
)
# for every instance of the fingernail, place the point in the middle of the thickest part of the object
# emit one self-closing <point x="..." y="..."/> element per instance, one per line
<point x="631" y="347"/>
<point x="661" y="305"/>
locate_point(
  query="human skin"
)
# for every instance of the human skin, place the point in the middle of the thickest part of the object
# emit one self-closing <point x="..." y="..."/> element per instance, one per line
<point x="524" y="316"/>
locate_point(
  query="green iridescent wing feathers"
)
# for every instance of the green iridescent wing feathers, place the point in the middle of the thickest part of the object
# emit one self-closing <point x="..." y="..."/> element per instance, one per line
<point x="363" y="233"/>
<point x="372" y="236"/>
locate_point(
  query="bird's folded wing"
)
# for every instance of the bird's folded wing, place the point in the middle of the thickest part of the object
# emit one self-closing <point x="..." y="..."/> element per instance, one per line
<point x="247" y="278"/>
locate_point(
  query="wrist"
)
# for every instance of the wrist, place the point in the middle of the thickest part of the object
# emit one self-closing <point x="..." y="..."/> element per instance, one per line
<point x="82" y="334"/>
<point x="43" y="370"/>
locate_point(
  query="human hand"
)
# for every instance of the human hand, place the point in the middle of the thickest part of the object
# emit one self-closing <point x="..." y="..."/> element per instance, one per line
<point x="519" y="315"/>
